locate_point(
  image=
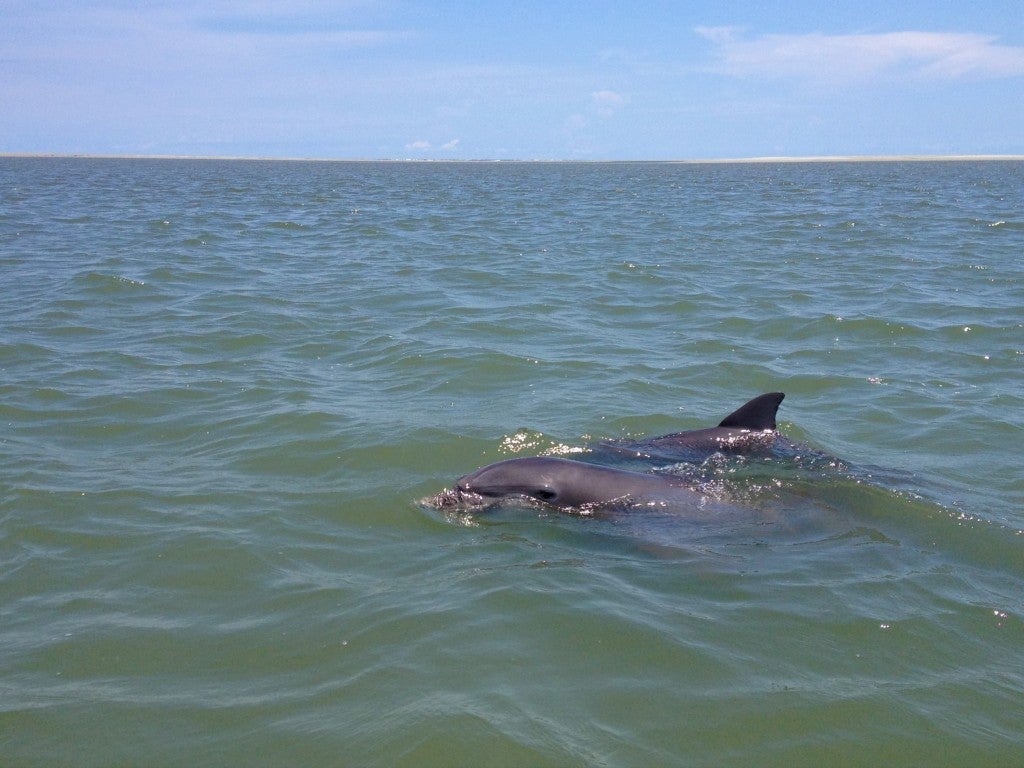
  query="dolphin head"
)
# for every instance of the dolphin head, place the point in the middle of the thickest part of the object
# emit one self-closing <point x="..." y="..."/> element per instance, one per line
<point x="532" y="478"/>
<point x="558" y="482"/>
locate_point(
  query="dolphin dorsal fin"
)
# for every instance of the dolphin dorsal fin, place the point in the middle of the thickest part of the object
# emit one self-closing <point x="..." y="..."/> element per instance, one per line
<point x="759" y="413"/>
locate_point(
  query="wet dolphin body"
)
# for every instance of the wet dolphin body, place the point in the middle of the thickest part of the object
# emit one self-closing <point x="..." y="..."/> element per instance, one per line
<point x="749" y="428"/>
<point x="568" y="484"/>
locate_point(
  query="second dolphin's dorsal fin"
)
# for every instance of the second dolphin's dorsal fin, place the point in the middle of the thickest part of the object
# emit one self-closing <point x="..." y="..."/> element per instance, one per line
<point x="759" y="413"/>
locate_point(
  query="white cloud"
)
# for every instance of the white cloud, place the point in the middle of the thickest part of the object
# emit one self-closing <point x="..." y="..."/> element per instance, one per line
<point x="607" y="102"/>
<point x="574" y="123"/>
<point x="720" y="35"/>
<point x="341" y="24"/>
<point x="422" y="145"/>
<point x="844" y="58"/>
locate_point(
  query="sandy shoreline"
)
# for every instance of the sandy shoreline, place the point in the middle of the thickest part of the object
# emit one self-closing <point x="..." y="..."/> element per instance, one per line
<point x="861" y="159"/>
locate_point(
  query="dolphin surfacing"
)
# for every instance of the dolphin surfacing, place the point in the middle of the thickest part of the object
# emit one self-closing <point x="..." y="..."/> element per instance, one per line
<point x="568" y="484"/>
<point x="748" y="429"/>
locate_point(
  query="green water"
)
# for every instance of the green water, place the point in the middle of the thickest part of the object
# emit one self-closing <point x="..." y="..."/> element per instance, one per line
<point x="228" y="388"/>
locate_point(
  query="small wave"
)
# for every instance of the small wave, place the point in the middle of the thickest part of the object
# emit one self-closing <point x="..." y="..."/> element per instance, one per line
<point x="102" y="281"/>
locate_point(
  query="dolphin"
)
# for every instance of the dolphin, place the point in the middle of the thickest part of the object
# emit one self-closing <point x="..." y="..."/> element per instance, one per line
<point x="748" y="429"/>
<point x="567" y="484"/>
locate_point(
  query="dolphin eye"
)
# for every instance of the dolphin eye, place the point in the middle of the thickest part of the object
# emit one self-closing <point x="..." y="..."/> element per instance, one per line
<point x="544" y="494"/>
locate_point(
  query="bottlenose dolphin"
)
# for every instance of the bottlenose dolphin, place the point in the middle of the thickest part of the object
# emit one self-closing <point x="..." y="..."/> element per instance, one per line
<point x="568" y="484"/>
<point x="750" y="428"/>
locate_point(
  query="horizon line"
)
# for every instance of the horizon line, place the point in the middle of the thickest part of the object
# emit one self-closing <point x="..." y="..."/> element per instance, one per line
<point x="693" y="161"/>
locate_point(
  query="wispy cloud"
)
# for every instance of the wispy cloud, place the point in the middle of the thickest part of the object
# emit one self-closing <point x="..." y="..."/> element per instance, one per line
<point x="422" y="145"/>
<point x="344" y="37"/>
<point x="857" y="57"/>
<point x="342" y="23"/>
<point x="607" y="102"/>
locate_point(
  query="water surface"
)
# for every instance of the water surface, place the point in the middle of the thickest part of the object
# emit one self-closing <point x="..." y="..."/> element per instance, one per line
<point x="226" y="386"/>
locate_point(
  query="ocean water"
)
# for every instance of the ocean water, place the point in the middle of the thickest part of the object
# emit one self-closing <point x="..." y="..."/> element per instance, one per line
<point x="229" y="389"/>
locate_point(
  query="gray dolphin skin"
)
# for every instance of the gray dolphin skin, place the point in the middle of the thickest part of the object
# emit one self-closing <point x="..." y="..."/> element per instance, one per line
<point x="567" y="484"/>
<point x="749" y="428"/>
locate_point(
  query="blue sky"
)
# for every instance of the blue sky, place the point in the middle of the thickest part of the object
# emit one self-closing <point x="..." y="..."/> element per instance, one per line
<point x="528" y="80"/>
